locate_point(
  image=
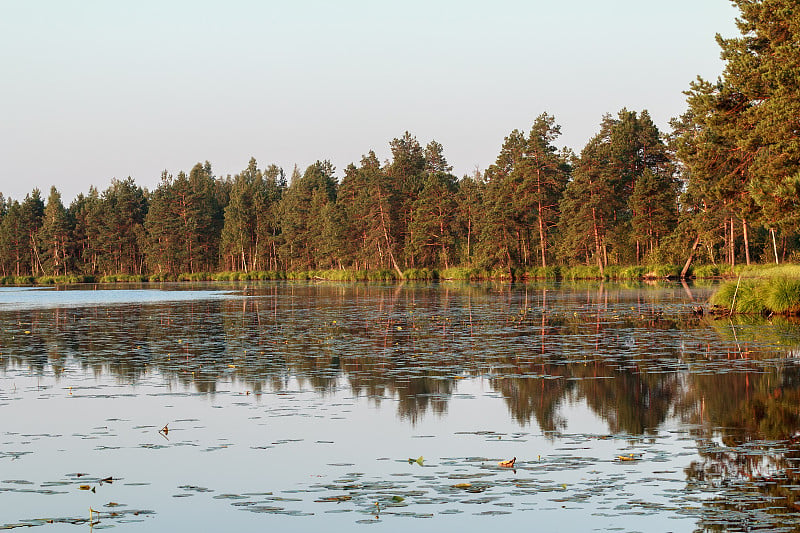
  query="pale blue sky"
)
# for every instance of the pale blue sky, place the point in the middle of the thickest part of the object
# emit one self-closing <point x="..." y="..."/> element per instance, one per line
<point x="93" y="90"/>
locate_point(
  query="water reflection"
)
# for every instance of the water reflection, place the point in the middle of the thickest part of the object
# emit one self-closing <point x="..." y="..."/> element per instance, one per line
<point x="634" y="356"/>
<point x="637" y="357"/>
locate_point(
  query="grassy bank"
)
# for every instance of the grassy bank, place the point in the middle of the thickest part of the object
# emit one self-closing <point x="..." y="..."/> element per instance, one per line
<point x="574" y="273"/>
<point x="746" y="271"/>
<point x="771" y="295"/>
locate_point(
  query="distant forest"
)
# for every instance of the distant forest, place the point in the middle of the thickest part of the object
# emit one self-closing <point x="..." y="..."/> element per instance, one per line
<point x="722" y="187"/>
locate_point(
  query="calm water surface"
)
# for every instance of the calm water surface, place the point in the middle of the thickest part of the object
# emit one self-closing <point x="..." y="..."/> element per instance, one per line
<point x="309" y="407"/>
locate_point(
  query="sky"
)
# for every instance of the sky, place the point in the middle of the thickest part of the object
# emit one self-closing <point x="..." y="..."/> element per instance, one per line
<point x="93" y="90"/>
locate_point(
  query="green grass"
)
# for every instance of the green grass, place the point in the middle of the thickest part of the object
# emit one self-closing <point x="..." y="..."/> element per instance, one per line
<point x="460" y="273"/>
<point x="17" y="280"/>
<point x="124" y="278"/>
<point x="786" y="270"/>
<point x="63" y="280"/>
<point x="551" y="273"/>
<point x="778" y="295"/>
<point x="782" y="295"/>
<point x="420" y="274"/>
<point x="663" y="271"/>
<point x="504" y="274"/>
<point x="706" y="271"/>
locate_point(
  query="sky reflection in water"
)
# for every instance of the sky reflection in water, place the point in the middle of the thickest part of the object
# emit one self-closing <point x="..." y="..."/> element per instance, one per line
<point x="299" y="405"/>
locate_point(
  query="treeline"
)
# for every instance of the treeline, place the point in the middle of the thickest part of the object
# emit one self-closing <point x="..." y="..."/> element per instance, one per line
<point x="722" y="187"/>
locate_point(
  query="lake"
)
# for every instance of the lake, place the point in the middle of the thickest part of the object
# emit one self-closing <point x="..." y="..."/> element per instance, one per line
<point x="303" y="406"/>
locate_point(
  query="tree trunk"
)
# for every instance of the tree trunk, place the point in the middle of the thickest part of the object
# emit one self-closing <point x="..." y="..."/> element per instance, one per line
<point x="441" y="239"/>
<point x="689" y="259"/>
<point x="746" y="242"/>
<point x="774" y="246"/>
<point x="732" y="249"/>
<point x="542" y="242"/>
<point x="386" y="238"/>
<point x="469" y="236"/>
<point x="598" y="250"/>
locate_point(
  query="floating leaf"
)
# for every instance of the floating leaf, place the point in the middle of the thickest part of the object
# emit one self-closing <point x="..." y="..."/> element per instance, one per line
<point x="507" y="464"/>
<point x="397" y="499"/>
<point x="419" y="460"/>
<point x="337" y="499"/>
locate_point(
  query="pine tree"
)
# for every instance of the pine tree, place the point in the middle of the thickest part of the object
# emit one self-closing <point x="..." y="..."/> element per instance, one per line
<point x="627" y="149"/>
<point x="303" y="219"/>
<point x="166" y="253"/>
<point x="266" y="204"/>
<point x="54" y="236"/>
<point x="13" y="240"/>
<point x="407" y="172"/>
<point x="587" y="208"/>
<point x="499" y="226"/>
<point x="121" y="234"/>
<point x="469" y="201"/>
<point x="738" y="141"/>
<point x="85" y="212"/>
<point x="31" y="214"/>
<point x="543" y="177"/>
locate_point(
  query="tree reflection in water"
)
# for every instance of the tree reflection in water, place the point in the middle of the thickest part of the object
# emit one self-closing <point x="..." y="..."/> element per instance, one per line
<point x="635" y="356"/>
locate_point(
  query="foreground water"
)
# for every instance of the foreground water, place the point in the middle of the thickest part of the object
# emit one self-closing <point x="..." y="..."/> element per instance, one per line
<point x="302" y="406"/>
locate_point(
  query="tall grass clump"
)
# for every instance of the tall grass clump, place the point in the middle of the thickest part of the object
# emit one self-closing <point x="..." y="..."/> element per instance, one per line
<point x="382" y="275"/>
<point x="741" y="296"/>
<point x="17" y="280"/>
<point x="782" y="295"/>
<point x="662" y="271"/>
<point x="124" y="278"/>
<point x="538" y="272"/>
<point x="785" y="270"/>
<point x="706" y="271"/>
<point x="420" y="274"/>
<point x="460" y="273"/>
<point x="632" y="272"/>
<point x="195" y="276"/>
<point x="63" y="280"/>
<point x="612" y="272"/>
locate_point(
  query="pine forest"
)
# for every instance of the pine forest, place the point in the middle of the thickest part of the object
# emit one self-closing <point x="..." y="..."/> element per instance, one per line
<point x="722" y="187"/>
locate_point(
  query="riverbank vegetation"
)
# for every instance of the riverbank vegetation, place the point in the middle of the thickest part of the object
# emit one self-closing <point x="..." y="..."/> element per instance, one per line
<point x="773" y="295"/>
<point x="416" y="274"/>
<point x="721" y="188"/>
